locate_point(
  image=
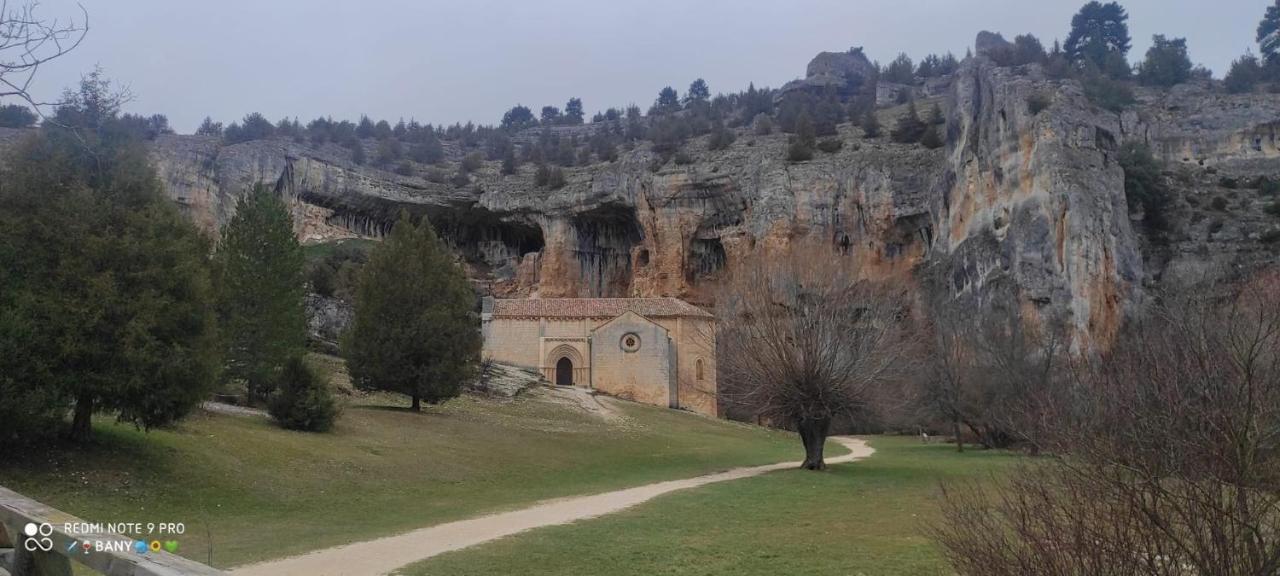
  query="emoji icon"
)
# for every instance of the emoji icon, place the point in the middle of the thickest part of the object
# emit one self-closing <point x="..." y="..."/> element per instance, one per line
<point x="171" y="545"/>
<point x="155" y="545"/>
<point x="72" y="546"/>
<point x="87" y="546"/>
<point x="140" y="547"/>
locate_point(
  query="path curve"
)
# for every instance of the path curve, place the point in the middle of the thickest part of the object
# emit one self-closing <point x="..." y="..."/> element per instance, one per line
<point x="383" y="555"/>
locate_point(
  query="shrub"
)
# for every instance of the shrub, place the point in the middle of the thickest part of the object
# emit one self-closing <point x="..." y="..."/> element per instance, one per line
<point x="1245" y="74"/>
<point x="870" y="124"/>
<point x="1228" y="182"/>
<point x="436" y="175"/>
<point x="831" y="145"/>
<point x="909" y="128"/>
<point x="721" y="137"/>
<point x="931" y="139"/>
<point x="19" y="116"/>
<point x="683" y="158"/>
<point x="1143" y="186"/>
<point x="798" y="151"/>
<point x="1273" y="209"/>
<point x="460" y="179"/>
<point x="471" y="162"/>
<point x="1107" y="93"/>
<point x="1219" y="203"/>
<point x="404" y="168"/>
<point x="302" y="400"/>
<point x="763" y="124"/>
<point x="1270" y="237"/>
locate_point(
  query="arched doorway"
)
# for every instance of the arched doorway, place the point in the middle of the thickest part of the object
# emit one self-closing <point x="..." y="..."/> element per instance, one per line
<point x="564" y="372"/>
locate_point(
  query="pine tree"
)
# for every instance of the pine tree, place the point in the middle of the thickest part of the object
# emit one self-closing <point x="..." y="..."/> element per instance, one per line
<point x="414" y="330"/>
<point x="1268" y="36"/>
<point x="260" y="291"/>
<point x="1099" y="35"/>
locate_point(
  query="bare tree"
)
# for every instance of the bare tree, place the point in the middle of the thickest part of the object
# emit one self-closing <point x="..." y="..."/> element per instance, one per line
<point x="803" y="341"/>
<point x="27" y="42"/>
<point x="1168" y="454"/>
<point x="989" y="370"/>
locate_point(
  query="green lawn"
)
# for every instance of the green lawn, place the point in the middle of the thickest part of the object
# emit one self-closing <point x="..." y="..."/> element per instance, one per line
<point x="858" y="518"/>
<point x="263" y="492"/>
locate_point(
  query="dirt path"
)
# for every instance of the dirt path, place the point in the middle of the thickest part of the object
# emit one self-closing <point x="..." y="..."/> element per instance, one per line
<point x="381" y="556"/>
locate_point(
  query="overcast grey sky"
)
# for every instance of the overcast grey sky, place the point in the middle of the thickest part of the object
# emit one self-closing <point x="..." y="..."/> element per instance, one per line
<point x="463" y="60"/>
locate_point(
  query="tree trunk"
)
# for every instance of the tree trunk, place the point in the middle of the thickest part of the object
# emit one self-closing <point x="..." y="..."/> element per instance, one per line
<point x="82" y="421"/>
<point x="417" y="403"/>
<point x="955" y="432"/>
<point x="813" y="433"/>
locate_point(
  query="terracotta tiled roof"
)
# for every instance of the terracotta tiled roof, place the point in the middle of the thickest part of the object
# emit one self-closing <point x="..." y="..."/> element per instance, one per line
<point x="594" y="308"/>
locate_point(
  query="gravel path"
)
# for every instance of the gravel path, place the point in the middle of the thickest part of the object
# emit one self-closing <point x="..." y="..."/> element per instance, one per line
<point x="384" y="555"/>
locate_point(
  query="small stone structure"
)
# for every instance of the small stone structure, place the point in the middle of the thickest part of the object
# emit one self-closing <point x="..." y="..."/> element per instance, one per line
<point x="658" y="351"/>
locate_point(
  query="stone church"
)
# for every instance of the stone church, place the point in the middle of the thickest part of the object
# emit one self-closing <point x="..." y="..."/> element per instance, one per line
<point x="659" y="351"/>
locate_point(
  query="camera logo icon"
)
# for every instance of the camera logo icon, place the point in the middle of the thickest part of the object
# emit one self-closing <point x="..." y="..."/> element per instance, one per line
<point x="37" y="537"/>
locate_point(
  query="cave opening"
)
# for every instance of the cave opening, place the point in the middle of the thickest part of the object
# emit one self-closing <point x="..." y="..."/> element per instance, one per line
<point x="605" y="237"/>
<point x="706" y="257"/>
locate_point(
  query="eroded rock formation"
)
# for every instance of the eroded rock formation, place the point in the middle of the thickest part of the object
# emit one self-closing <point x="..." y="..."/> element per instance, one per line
<point x="1022" y="205"/>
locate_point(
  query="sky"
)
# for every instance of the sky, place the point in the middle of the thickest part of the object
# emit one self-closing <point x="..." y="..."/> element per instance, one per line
<point x="470" y="60"/>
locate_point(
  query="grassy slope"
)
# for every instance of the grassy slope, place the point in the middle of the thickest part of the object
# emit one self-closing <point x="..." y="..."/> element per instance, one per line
<point x="858" y="518"/>
<point x="264" y="492"/>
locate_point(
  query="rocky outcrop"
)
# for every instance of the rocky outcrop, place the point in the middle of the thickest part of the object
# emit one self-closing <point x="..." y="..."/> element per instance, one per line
<point x="1023" y="207"/>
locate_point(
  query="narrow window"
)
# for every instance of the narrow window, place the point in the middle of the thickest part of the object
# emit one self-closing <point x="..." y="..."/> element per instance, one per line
<point x="697" y="368"/>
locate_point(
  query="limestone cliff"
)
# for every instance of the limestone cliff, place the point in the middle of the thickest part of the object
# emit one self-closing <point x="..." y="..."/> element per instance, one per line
<point x="1023" y="206"/>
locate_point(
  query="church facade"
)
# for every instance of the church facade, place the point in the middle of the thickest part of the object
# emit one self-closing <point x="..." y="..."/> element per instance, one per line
<point x="659" y="351"/>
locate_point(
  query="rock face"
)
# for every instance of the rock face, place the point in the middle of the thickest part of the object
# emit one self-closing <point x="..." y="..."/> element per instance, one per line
<point x="1020" y="208"/>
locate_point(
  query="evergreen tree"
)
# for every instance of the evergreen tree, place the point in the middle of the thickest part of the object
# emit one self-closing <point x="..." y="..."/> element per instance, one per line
<point x="1099" y="33"/>
<point x="668" y="101"/>
<point x="303" y="400"/>
<point x="698" y="93"/>
<point x="550" y="115"/>
<point x="260" y="291"/>
<point x="16" y="116"/>
<point x="1166" y="63"/>
<point x="901" y="70"/>
<point x="909" y="128"/>
<point x="1268" y="36"/>
<point x="573" y="113"/>
<point x="802" y="142"/>
<point x="104" y="286"/>
<point x="414" y="330"/>
<point x="518" y="117"/>
<point x="1244" y="75"/>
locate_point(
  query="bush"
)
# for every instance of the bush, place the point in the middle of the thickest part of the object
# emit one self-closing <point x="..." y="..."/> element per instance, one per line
<point x="798" y="151"/>
<point x="831" y="145"/>
<point x="302" y="401"/>
<point x="1143" y="186"/>
<point x="1219" y="203"/>
<point x="472" y="162"/>
<point x="932" y="138"/>
<point x="909" y="128"/>
<point x="870" y="124"/>
<point x="1107" y="93"/>
<point x="1228" y="182"/>
<point x="16" y="116"/>
<point x="683" y="158"/>
<point x="1270" y="237"/>
<point x="1273" y="209"/>
<point x="763" y="124"/>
